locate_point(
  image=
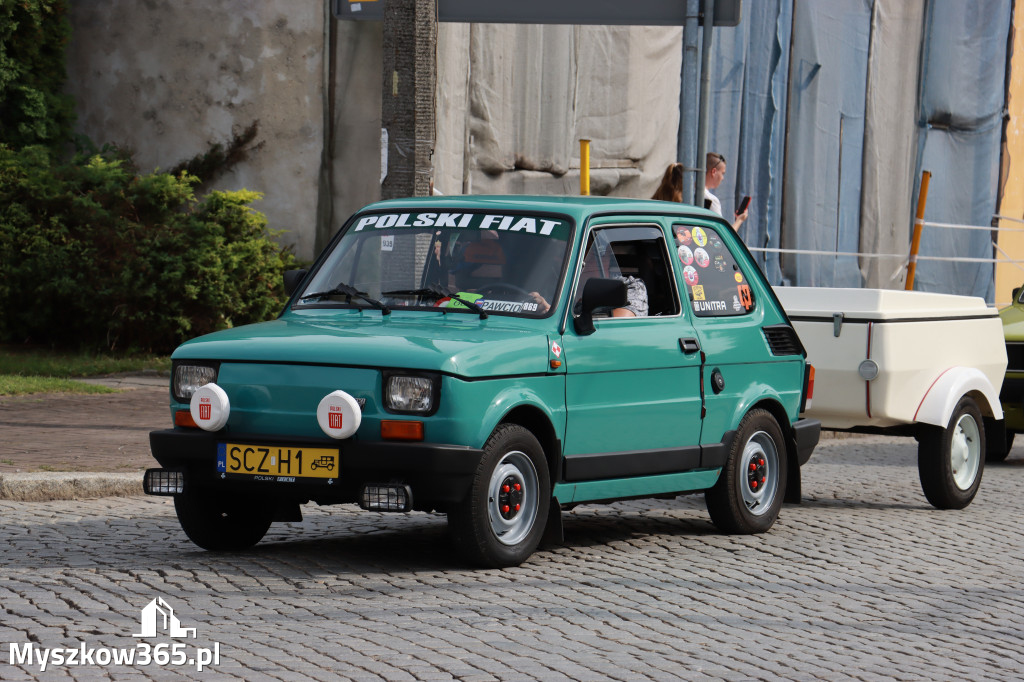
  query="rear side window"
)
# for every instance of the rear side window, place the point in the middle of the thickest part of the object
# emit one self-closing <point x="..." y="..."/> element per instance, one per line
<point x="715" y="284"/>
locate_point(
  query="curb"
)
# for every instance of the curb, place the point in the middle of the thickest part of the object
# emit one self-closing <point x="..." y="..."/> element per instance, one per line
<point x="45" y="487"/>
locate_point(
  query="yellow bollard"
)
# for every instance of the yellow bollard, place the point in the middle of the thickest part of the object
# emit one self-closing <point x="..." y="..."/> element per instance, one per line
<point x="585" y="167"/>
<point x="915" y="243"/>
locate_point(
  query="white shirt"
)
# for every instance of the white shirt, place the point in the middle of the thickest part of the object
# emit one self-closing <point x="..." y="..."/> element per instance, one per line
<point x="716" y="205"/>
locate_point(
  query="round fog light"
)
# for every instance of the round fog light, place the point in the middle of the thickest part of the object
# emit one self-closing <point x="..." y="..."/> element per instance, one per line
<point x="210" y="407"/>
<point x="868" y="369"/>
<point x="339" y="415"/>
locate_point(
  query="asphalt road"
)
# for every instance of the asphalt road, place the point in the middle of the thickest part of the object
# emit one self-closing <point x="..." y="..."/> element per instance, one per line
<point x="864" y="580"/>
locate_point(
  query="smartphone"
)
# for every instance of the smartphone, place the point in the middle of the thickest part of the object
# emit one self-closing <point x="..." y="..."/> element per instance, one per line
<point x="743" y="205"/>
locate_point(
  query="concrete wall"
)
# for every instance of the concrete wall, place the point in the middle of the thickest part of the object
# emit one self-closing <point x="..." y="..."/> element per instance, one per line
<point x="166" y="79"/>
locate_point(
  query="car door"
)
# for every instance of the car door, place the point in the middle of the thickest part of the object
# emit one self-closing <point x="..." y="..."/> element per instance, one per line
<point x="633" y="385"/>
<point x="728" y="316"/>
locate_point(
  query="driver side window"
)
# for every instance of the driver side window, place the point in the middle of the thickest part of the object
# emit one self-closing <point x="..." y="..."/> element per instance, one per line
<point x="638" y="256"/>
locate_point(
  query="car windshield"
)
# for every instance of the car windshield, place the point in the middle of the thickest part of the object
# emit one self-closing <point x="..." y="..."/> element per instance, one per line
<point x="483" y="263"/>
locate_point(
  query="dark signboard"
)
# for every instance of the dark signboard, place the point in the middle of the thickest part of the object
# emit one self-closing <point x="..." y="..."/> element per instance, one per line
<point x="600" y="12"/>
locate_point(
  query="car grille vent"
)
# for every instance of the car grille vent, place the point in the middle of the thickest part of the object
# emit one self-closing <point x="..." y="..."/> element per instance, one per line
<point x="1014" y="356"/>
<point x="782" y="340"/>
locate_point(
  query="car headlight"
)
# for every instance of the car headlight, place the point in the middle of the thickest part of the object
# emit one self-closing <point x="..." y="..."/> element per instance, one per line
<point x="189" y="377"/>
<point x="410" y="393"/>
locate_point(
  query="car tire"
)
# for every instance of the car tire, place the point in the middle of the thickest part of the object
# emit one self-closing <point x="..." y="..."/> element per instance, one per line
<point x="222" y="523"/>
<point x="951" y="460"/>
<point x="749" y="492"/>
<point x="487" y="527"/>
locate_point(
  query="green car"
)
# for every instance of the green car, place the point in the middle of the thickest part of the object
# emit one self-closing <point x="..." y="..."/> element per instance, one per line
<point x="1012" y="393"/>
<point x="497" y="359"/>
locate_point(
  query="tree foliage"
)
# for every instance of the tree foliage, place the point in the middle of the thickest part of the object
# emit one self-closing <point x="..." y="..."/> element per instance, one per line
<point x="93" y="255"/>
<point x="33" y="107"/>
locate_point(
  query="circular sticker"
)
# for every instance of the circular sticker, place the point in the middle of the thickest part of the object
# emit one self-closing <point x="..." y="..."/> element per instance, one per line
<point x="700" y="238"/>
<point x="690" y="275"/>
<point x="339" y="415"/>
<point x="685" y="255"/>
<point x="682" y="234"/>
<point x="210" y="407"/>
<point x="738" y="277"/>
<point x="702" y="258"/>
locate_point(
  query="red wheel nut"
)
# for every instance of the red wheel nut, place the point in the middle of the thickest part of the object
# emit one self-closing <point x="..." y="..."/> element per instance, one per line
<point x="517" y="507"/>
<point x="752" y="466"/>
<point x="505" y="509"/>
<point x="753" y="484"/>
<point x="518" y="487"/>
<point x="505" y="488"/>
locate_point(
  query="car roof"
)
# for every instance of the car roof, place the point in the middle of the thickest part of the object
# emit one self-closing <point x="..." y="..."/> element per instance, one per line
<point x="578" y="207"/>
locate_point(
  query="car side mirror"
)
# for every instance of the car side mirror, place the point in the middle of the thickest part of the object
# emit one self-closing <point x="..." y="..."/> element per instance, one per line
<point x="292" y="279"/>
<point x="598" y="293"/>
<point x="1016" y="295"/>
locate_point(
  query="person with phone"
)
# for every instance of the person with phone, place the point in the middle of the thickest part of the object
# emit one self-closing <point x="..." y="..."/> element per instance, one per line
<point x="715" y="173"/>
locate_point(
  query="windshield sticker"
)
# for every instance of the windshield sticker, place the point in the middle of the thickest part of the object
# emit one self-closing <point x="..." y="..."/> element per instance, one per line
<point x="720" y="262"/>
<point x="709" y="306"/>
<point x="483" y="221"/>
<point x="702" y="258"/>
<point x="738" y="277"/>
<point x="700" y="238"/>
<point x="387" y="242"/>
<point x="698" y="292"/>
<point x="690" y="275"/>
<point x="745" y="297"/>
<point x="492" y="306"/>
<point x="683" y="236"/>
<point x="685" y="255"/>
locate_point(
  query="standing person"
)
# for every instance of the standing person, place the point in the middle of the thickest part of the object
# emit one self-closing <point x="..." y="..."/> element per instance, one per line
<point x="671" y="187"/>
<point x="713" y="177"/>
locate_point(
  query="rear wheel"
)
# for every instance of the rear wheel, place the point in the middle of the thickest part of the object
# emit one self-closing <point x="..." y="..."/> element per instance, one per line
<point x="950" y="460"/>
<point x="222" y="522"/>
<point x="502" y="518"/>
<point x="748" y="494"/>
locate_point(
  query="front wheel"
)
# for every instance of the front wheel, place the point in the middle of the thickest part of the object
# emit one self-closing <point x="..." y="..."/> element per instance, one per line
<point x="502" y="519"/>
<point x="221" y="523"/>
<point x="950" y="460"/>
<point x="748" y="494"/>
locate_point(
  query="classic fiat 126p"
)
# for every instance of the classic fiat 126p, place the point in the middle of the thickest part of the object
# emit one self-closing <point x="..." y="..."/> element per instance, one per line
<point x="497" y="359"/>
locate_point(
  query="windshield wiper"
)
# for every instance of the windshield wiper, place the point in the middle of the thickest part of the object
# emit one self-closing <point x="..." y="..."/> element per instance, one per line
<point x="351" y="292"/>
<point x="438" y="291"/>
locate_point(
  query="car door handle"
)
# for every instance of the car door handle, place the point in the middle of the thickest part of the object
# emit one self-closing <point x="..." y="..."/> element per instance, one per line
<point x="689" y="345"/>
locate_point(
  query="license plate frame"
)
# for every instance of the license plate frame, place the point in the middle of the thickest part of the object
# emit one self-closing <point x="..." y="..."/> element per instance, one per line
<point x="286" y="463"/>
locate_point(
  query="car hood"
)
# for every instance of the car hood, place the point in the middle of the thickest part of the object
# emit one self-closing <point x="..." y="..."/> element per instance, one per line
<point x="458" y="344"/>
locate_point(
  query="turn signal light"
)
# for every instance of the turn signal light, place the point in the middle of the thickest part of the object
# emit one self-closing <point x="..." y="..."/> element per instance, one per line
<point x="393" y="429"/>
<point x="184" y="418"/>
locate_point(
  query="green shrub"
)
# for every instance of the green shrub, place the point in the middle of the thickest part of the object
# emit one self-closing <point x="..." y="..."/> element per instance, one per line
<point x="33" y="107"/>
<point x="94" y="256"/>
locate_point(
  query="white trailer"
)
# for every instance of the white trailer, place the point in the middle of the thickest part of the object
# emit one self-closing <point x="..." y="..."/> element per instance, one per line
<point x="908" y="363"/>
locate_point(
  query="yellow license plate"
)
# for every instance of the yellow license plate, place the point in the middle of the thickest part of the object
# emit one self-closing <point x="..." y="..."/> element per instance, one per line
<point x="276" y="462"/>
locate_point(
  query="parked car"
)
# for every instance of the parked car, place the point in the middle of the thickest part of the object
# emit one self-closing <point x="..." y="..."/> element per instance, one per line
<point x="497" y="359"/>
<point x="908" y="363"/>
<point x="1012" y="394"/>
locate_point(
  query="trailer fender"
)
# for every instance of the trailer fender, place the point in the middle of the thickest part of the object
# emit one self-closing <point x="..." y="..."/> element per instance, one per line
<point x="938" y="403"/>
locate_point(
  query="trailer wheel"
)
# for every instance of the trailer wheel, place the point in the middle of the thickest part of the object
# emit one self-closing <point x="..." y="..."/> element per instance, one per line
<point x="950" y="460"/>
<point x="748" y="494"/>
<point x="221" y="523"/>
<point x="502" y="519"/>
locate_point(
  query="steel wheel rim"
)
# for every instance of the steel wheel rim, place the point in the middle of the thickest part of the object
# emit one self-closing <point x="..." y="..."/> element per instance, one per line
<point x="759" y="476"/>
<point x="965" y="452"/>
<point x="510" y="525"/>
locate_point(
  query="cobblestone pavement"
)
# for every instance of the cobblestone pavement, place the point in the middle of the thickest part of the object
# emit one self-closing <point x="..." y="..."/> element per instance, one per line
<point x="864" y="580"/>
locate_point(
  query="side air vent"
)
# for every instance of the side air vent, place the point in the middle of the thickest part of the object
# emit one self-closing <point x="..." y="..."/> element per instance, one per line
<point x="782" y="340"/>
